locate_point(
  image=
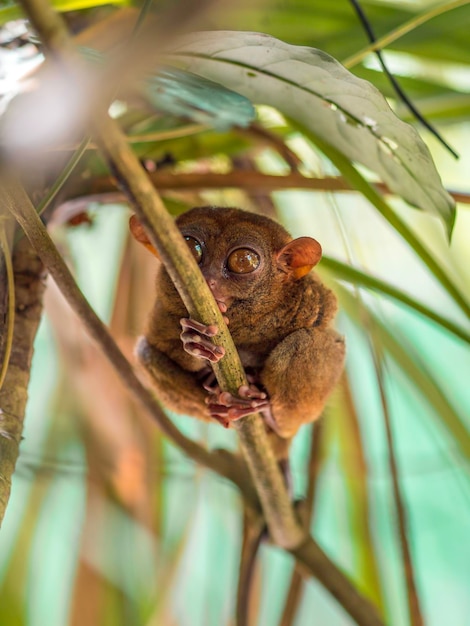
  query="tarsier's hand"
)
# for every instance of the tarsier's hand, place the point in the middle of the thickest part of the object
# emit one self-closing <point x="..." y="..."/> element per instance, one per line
<point x="196" y="338"/>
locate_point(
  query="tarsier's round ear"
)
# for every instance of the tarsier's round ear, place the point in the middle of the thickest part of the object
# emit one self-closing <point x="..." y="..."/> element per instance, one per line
<point x="299" y="256"/>
<point x="140" y="235"/>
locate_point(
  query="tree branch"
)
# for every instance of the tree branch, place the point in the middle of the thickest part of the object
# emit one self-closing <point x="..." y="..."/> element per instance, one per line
<point x="280" y="517"/>
<point x="103" y="189"/>
<point x="29" y="287"/>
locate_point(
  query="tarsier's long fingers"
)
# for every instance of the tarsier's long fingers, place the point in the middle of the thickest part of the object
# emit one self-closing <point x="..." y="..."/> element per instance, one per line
<point x="226" y="408"/>
<point x="196" y="340"/>
<point x="190" y="324"/>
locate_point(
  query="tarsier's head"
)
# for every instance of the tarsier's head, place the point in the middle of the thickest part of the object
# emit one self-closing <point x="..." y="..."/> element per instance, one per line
<point x="241" y="254"/>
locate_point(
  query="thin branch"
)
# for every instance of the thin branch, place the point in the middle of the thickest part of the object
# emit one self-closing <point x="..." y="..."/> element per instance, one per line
<point x="260" y="133"/>
<point x="150" y="137"/>
<point x="64" y="176"/>
<point x="253" y="529"/>
<point x="241" y="180"/>
<point x="402" y="30"/>
<point x="395" y="84"/>
<point x="313" y="558"/>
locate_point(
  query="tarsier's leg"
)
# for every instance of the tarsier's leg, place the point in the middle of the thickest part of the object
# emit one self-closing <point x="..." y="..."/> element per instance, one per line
<point x="177" y="388"/>
<point x="299" y="375"/>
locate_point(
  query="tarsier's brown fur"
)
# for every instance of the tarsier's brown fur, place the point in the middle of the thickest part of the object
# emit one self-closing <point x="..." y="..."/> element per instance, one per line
<point x="279" y="320"/>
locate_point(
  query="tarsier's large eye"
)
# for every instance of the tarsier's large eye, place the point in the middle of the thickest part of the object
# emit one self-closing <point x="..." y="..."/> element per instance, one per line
<point x="195" y="247"/>
<point x="243" y="261"/>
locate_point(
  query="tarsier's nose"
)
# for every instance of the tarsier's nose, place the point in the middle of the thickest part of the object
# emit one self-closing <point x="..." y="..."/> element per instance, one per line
<point x="213" y="284"/>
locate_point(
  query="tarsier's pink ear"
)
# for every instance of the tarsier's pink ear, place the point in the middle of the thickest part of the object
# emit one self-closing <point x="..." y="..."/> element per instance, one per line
<point x="299" y="256"/>
<point x="140" y="235"/>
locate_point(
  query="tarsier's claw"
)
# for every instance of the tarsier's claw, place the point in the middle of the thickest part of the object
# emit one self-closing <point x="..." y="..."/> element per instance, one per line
<point x="251" y="391"/>
<point x="222" y="420"/>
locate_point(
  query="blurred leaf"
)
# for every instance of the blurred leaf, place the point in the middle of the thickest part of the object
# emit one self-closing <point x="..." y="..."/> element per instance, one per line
<point x="182" y="93"/>
<point x="315" y="90"/>
<point x="416" y="371"/>
<point x="176" y="92"/>
<point x="334" y="27"/>
<point x="352" y="458"/>
<point x="362" y="279"/>
<point x="331" y="26"/>
<point x="13" y="11"/>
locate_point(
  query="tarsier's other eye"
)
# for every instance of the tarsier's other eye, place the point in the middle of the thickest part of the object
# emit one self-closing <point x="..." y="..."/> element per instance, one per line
<point x="195" y="247"/>
<point x="243" y="261"/>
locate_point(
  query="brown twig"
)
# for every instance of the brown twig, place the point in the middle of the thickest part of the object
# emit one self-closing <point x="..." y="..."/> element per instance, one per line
<point x="273" y="140"/>
<point x="313" y="558"/>
<point x="99" y="188"/>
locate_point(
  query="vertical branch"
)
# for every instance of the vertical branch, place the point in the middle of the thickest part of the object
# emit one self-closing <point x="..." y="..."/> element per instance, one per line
<point x="29" y="287"/>
<point x="395" y="84"/>
<point x="9" y="296"/>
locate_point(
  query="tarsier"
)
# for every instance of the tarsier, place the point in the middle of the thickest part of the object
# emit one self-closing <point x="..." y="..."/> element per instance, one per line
<point x="279" y="316"/>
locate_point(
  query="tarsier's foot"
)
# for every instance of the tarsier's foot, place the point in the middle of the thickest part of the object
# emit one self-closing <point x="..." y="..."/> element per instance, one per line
<point x="196" y="338"/>
<point x="226" y="408"/>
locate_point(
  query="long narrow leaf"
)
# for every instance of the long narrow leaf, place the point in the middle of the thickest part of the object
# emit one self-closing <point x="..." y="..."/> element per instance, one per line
<point x="352" y="275"/>
<point x="417" y="372"/>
